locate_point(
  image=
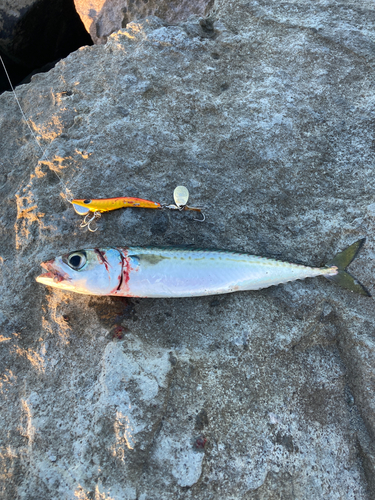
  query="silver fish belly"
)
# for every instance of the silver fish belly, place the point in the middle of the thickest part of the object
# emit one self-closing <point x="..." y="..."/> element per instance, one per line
<point x="162" y="272"/>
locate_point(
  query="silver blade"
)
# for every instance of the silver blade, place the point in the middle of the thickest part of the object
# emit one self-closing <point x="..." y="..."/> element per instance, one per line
<point x="181" y="196"/>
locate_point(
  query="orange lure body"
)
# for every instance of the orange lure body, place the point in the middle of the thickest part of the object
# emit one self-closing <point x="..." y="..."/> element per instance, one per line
<point x="101" y="205"/>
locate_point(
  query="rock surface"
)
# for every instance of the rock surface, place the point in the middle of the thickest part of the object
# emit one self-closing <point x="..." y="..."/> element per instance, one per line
<point x="103" y="17"/>
<point x="266" y="113"/>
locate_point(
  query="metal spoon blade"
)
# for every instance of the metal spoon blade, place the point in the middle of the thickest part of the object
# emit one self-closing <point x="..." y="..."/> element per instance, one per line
<point x="181" y="196"/>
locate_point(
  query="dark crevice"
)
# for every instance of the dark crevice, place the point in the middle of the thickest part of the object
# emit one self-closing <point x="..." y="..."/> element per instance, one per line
<point x="44" y="34"/>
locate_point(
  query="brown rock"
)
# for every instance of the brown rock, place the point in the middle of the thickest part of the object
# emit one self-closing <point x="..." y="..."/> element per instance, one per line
<point x="103" y="17"/>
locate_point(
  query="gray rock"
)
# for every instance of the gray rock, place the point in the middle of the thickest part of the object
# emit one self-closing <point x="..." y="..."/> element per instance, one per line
<point x="265" y="113"/>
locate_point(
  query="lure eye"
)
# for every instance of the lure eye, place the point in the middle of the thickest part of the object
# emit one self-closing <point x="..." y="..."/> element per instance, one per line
<point x="86" y="202"/>
<point x="76" y="260"/>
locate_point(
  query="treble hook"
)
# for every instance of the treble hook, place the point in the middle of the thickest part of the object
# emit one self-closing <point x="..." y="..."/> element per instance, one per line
<point x="87" y="222"/>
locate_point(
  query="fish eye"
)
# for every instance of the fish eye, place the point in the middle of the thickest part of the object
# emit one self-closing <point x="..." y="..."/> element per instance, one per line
<point x="86" y="202"/>
<point x="76" y="260"/>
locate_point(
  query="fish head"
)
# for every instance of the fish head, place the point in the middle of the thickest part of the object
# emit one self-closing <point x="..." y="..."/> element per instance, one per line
<point x="91" y="272"/>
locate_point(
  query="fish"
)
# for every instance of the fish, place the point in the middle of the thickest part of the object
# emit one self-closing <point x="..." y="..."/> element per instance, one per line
<point x="156" y="272"/>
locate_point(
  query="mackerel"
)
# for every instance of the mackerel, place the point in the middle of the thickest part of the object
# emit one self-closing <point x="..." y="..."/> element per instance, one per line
<point x="183" y="272"/>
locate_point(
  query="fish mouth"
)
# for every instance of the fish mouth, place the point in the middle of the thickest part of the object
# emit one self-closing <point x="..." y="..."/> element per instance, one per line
<point x="53" y="276"/>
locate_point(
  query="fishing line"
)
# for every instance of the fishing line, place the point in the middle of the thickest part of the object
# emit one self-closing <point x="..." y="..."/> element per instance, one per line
<point x="43" y="151"/>
<point x="19" y="105"/>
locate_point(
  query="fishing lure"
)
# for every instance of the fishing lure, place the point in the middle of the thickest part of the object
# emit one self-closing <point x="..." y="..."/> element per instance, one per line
<point x="92" y="209"/>
<point x="177" y="272"/>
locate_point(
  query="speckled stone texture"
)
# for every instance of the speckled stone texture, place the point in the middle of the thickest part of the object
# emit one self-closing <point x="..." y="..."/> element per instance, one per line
<point x="265" y="111"/>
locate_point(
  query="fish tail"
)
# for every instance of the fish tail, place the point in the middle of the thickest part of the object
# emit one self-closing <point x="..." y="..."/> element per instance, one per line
<point x="340" y="275"/>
